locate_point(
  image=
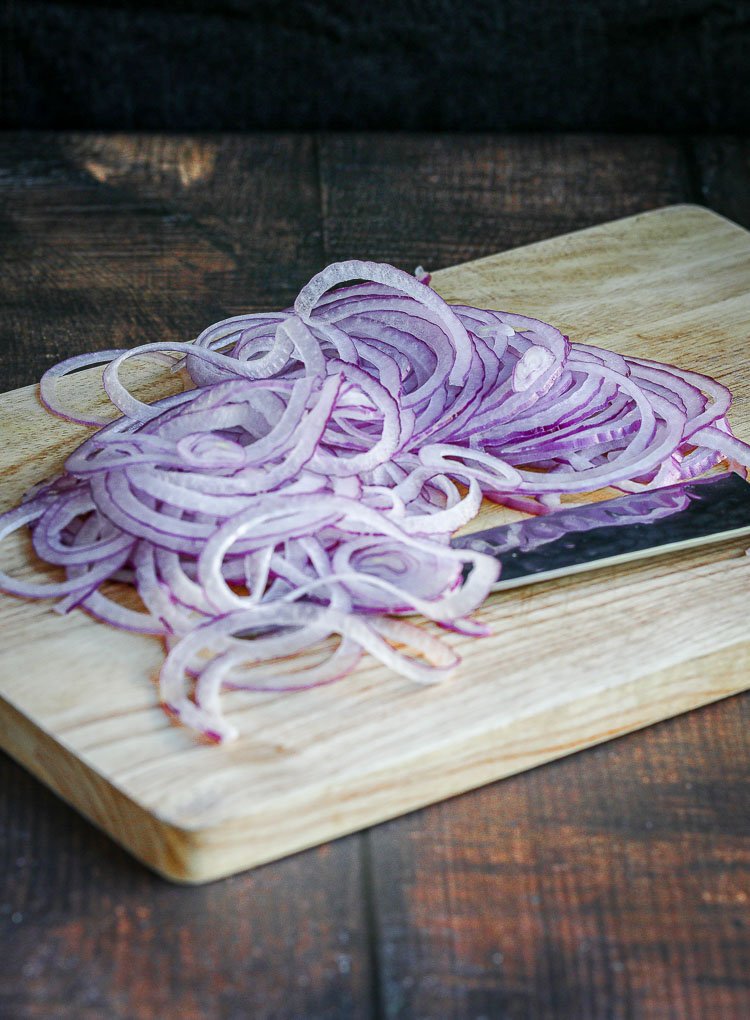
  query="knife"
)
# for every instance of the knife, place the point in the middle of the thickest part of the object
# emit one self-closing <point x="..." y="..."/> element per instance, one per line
<point x="632" y="527"/>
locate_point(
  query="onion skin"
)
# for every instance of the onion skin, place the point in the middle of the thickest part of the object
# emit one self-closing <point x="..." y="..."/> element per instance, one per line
<point x="300" y="499"/>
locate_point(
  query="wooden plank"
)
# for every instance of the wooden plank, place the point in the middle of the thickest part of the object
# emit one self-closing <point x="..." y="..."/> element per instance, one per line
<point x="722" y="170"/>
<point x="609" y="884"/>
<point x="440" y="200"/>
<point x="309" y="779"/>
<point x="124" y="238"/>
<point x="89" y="933"/>
<point x="112" y="240"/>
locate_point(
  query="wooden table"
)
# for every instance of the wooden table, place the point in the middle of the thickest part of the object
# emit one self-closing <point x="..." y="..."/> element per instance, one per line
<point x="611" y="884"/>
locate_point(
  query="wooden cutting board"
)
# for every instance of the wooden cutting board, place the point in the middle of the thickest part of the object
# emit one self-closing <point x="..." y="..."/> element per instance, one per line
<point x="570" y="663"/>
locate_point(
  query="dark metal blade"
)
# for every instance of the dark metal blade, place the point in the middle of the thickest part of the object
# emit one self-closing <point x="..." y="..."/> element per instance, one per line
<point x="579" y="538"/>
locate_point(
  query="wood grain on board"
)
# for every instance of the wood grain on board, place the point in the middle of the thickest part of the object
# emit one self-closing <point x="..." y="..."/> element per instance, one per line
<point x="569" y="663"/>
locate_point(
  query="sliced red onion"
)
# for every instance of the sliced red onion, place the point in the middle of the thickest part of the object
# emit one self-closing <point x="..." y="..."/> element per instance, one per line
<point x="48" y="382"/>
<point x="303" y="494"/>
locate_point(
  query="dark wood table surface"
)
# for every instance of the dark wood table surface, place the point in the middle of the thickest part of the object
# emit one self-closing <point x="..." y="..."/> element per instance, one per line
<point x="611" y="884"/>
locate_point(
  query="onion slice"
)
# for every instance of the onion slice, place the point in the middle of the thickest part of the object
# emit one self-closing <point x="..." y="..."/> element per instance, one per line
<point x="283" y="516"/>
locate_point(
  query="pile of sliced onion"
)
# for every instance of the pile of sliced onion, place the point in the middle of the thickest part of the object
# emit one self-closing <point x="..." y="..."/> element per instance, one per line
<point x="284" y="514"/>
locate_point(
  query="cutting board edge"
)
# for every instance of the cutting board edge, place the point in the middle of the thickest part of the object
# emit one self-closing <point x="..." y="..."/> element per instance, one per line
<point x="676" y="208"/>
<point x="194" y="856"/>
<point x="86" y="790"/>
<point x="476" y="762"/>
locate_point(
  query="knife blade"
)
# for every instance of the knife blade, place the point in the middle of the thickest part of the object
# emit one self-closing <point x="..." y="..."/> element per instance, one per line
<point x="635" y="526"/>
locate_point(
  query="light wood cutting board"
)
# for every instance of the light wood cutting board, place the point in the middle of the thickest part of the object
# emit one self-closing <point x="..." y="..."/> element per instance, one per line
<point x="570" y="663"/>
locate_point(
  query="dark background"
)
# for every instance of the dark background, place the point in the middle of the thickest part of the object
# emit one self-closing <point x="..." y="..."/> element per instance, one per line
<point x="615" y="65"/>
